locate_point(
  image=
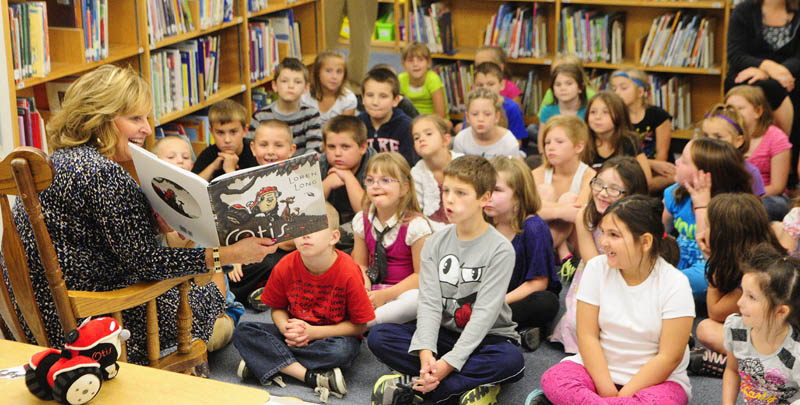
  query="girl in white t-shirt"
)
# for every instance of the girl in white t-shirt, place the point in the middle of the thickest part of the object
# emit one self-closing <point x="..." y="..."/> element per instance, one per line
<point x="327" y="91"/>
<point x="635" y="314"/>
<point x="486" y="135"/>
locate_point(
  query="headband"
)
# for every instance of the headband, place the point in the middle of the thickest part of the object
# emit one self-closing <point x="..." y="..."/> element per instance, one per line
<point x="633" y="79"/>
<point x="730" y="121"/>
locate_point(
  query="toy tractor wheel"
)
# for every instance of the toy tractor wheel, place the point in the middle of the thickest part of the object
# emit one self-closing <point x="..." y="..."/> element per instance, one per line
<point x="36" y="387"/>
<point x="77" y="386"/>
<point x="109" y="375"/>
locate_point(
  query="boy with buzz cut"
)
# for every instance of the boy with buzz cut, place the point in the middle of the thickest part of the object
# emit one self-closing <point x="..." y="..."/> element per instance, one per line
<point x="388" y="127"/>
<point x="319" y="308"/>
<point x="230" y="151"/>
<point x="489" y="75"/>
<point x="464" y="343"/>
<point x="343" y="167"/>
<point x="291" y="81"/>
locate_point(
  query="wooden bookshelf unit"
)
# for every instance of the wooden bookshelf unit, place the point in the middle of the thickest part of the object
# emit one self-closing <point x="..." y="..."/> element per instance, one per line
<point x="129" y="44"/>
<point x="470" y="18"/>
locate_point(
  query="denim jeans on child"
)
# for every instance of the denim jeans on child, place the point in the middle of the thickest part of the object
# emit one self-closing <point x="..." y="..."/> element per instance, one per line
<point x="263" y="349"/>
<point x="496" y="360"/>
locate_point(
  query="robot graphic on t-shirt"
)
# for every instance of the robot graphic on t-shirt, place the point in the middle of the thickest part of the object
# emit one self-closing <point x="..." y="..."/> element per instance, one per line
<point x="457" y="295"/>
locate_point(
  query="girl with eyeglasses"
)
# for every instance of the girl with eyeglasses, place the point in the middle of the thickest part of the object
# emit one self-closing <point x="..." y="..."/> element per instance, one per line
<point x="618" y="177"/>
<point x="389" y="234"/>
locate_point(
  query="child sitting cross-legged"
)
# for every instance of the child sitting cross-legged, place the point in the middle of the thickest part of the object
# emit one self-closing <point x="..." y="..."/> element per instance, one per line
<point x="388" y="127"/>
<point x="464" y="343"/>
<point x="319" y="309"/>
<point x="389" y="234"/>
<point x="230" y="151"/>
<point x="486" y="135"/>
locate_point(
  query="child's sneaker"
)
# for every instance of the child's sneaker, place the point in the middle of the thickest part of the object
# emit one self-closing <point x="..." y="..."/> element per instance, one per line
<point x="537" y="397"/>
<point x="254" y="299"/>
<point x="244" y="372"/>
<point x="328" y="382"/>
<point x="707" y="362"/>
<point x="395" y="389"/>
<point x="531" y="338"/>
<point x="480" y="395"/>
<point x="568" y="266"/>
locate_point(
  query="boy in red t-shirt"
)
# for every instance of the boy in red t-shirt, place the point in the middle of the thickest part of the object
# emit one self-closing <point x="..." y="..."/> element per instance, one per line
<point x="319" y="308"/>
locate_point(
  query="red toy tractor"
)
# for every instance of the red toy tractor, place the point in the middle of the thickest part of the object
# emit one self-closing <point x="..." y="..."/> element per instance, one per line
<point x="74" y="375"/>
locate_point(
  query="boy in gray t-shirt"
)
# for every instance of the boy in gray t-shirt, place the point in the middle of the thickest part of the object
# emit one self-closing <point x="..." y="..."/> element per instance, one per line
<point x="464" y="342"/>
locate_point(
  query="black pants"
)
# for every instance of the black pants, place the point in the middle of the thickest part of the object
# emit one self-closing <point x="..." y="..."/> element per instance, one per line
<point x="255" y="275"/>
<point x="535" y="310"/>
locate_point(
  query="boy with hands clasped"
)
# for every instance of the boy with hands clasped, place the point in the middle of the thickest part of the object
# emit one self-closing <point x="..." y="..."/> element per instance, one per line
<point x="464" y="343"/>
<point x="319" y="308"/>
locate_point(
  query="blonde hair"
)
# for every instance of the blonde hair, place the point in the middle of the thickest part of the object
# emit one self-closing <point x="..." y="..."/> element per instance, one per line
<point x="156" y="148"/>
<point x="438" y="122"/>
<point x="732" y="118"/>
<point x="755" y="96"/>
<point x="496" y="99"/>
<point x="316" y="87"/>
<point x="575" y="129"/>
<point x="394" y="165"/>
<point x="333" y="216"/>
<point x="518" y="177"/>
<point x="225" y="111"/>
<point x="92" y="103"/>
<point x="276" y="124"/>
<point x="416" y="49"/>
<point x="638" y="75"/>
<point x="565" y="58"/>
<point x="498" y="57"/>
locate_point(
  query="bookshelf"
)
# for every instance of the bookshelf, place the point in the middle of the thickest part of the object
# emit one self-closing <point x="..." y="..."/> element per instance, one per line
<point x="129" y="44"/>
<point x="470" y="19"/>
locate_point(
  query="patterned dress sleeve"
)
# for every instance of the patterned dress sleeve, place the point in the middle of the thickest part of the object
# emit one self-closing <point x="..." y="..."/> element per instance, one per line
<point x="124" y="216"/>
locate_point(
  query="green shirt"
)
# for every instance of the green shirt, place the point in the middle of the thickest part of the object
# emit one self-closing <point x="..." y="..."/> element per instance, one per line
<point x="422" y="97"/>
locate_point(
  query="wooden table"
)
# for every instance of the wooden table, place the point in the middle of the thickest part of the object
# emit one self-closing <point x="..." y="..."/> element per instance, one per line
<point x="134" y="385"/>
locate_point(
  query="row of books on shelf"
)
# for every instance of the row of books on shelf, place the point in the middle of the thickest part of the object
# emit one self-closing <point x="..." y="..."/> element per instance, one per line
<point x="31" y="124"/>
<point x="532" y="92"/>
<point x="167" y="18"/>
<point x="258" y="5"/>
<point x="680" y="39"/>
<point x="184" y="74"/>
<point x="195" y="128"/>
<point x="30" y="47"/>
<point x="432" y="26"/>
<point x="262" y="97"/>
<point x="591" y="34"/>
<point x="95" y="28"/>
<point x="272" y="39"/>
<point x="673" y="94"/>
<point x="520" y="30"/>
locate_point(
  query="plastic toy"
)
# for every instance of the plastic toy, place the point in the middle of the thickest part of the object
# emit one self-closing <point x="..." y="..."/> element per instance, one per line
<point x="74" y="375"/>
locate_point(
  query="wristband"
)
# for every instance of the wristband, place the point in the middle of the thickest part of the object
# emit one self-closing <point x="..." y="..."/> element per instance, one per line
<point x="217" y="264"/>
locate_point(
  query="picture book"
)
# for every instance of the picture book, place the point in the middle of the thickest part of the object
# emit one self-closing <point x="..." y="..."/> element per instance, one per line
<point x="283" y="200"/>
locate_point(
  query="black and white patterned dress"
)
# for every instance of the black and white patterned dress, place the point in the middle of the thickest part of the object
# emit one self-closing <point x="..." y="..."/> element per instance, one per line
<point x="101" y="226"/>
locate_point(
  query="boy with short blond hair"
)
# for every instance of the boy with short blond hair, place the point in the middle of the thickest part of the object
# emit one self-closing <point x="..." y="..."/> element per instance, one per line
<point x="230" y="151"/>
<point x="291" y="81"/>
<point x="343" y="167"/>
<point x="464" y="342"/>
<point x="272" y="142"/>
<point x="388" y="127"/>
<point x="319" y="308"/>
<point x="175" y="150"/>
<point x="489" y="75"/>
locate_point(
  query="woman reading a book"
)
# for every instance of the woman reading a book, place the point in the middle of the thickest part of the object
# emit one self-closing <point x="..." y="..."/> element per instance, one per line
<point x="764" y="50"/>
<point x="101" y="225"/>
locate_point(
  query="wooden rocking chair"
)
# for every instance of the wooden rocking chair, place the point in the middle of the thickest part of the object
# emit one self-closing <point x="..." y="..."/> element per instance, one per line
<point x="26" y="172"/>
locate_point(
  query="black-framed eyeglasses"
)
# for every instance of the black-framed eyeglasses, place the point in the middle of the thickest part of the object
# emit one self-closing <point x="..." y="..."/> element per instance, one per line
<point x="598" y="186"/>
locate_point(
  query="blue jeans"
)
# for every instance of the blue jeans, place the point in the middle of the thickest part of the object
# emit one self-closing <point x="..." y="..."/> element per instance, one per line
<point x="263" y="349"/>
<point x="496" y="360"/>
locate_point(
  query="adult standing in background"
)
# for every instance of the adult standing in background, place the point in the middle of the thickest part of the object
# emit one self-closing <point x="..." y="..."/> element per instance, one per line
<point x="362" y="15"/>
<point x="764" y="50"/>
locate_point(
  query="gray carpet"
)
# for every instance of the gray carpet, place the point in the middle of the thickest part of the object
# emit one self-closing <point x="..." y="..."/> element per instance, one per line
<point x="367" y="369"/>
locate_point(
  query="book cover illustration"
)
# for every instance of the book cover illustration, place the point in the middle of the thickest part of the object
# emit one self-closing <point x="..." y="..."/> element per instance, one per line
<point x="282" y="201"/>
